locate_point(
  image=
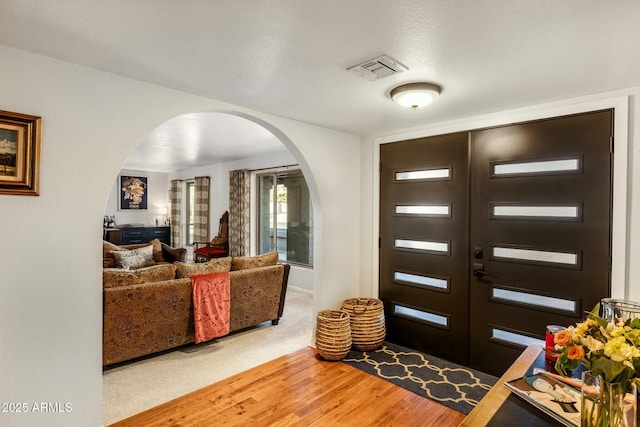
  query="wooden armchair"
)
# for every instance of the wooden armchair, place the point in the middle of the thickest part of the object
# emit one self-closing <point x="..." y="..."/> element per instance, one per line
<point x="218" y="247"/>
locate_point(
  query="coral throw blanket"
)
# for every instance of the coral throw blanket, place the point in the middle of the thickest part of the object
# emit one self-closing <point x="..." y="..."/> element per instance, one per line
<point x="211" y="297"/>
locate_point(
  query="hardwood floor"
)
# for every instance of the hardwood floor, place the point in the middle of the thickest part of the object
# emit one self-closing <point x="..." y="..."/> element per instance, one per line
<point x="299" y="390"/>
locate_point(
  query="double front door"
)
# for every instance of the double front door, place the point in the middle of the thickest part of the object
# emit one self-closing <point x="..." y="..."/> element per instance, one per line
<point x="488" y="236"/>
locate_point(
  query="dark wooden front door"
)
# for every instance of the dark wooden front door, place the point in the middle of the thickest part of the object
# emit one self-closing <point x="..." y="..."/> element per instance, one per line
<point x="424" y="243"/>
<point x="488" y="236"/>
<point x="540" y="231"/>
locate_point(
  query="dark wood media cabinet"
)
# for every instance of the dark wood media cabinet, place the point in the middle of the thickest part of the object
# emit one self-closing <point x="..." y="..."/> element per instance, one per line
<point x="138" y="234"/>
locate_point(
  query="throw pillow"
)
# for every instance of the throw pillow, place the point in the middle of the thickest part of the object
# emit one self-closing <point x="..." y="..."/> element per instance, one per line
<point x="245" y="262"/>
<point x="134" y="258"/>
<point x="115" y="277"/>
<point x="173" y="254"/>
<point x="157" y="250"/>
<point x="216" y="265"/>
<point x="108" y="261"/>
<point x="158" y="256"/>
<point x="155" y="273"/>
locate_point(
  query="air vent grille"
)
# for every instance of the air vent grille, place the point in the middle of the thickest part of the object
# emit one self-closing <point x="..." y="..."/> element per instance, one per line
<point x="378" y="68"/>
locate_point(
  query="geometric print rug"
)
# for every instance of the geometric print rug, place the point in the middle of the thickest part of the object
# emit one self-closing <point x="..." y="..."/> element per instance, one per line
<point x="458" y="387"/>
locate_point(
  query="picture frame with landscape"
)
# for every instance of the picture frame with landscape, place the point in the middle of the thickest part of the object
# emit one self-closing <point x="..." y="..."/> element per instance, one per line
<point x="20" y="144"/>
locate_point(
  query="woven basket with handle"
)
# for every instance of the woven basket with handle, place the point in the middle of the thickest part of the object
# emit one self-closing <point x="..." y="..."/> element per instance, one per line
<point x="367" y="322"/>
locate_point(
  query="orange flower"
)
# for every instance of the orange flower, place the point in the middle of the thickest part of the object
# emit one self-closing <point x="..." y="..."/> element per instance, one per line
<point x="576" y="352"/>
<point x="563" y="337"/>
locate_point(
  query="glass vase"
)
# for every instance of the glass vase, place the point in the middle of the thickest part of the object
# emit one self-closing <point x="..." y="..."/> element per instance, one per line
<point x="606" y="404"/>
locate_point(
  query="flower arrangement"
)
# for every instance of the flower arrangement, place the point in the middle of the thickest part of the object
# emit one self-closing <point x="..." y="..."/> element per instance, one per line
<point x="610" y="349"/>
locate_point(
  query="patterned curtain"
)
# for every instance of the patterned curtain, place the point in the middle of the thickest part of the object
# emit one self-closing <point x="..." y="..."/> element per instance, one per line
<point x="239" y="210"/>
<point x="175" y="206"/>
<point x="201" y="209"/>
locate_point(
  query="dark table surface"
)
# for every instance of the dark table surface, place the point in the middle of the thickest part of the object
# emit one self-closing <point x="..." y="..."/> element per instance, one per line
<point x="516" y="412"/>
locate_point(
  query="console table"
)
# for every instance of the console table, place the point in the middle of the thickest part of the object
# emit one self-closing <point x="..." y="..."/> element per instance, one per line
<point x="138" y="234"/>
<point x="500" y="408"/>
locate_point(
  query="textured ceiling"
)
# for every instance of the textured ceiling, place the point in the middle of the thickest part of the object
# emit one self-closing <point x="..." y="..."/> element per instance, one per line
<point x="289" y="57"/>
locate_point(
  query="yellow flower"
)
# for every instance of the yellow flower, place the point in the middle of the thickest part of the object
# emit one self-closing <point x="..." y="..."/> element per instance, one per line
<point x="618" y="350"/>
<point x="614" y="331"/>
<point x="592" y="344"/>
<point x="581" y="328"/>
<point x="633" y="335"/>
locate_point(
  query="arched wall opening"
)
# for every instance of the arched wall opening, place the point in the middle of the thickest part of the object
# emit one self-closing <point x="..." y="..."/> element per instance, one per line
<point x="115" y="383"/>
<point x="299" y="160"/>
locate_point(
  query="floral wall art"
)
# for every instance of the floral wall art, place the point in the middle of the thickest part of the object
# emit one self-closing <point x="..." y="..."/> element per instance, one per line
<point x="133" y="192"/>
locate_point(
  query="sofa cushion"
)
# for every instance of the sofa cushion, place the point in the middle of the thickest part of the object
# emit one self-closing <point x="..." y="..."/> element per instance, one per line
<point x="115" y="277"/>
<point x="134" y="258"/>
<point x="157" y="250"/>
<point x="158" y="256"/>
<point x="216" y="265"/>
<point x="108" y="261"/>
<point x="155" y="273"/>
<point x="245" y="262"/>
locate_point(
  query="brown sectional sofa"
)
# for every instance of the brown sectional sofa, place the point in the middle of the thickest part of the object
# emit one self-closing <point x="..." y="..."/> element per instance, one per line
<point x="148" y="317"/>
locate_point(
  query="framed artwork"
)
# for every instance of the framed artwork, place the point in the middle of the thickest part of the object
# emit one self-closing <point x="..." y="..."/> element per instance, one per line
<point x="133" y="193"/>
<point x="20" y="140"/>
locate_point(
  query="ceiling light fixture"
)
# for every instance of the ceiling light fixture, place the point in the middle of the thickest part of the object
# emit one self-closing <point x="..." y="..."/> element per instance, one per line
<point x="415" y="95"/>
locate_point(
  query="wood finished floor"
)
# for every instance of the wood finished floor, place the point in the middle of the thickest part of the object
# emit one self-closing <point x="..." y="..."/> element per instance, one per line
<point x="299" y="390"/>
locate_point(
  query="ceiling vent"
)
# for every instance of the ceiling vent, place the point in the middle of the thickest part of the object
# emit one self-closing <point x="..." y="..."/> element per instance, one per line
<point x="377" y="68"/>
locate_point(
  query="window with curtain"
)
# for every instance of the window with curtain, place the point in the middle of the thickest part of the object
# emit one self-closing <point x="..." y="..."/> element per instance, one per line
<point x="175" y="203"/>
<point x="239" y="211"/>
<point x="189" y="212"/>
<point x="201" y="206"/>
<point x="285" y="216"/>
<point x="189" y="208"/>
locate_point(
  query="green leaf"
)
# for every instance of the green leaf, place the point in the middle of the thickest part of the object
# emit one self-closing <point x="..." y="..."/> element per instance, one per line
<point x="608" y="368"/>
<point x="633" y="336"/>
<point x="594" y="315"/>
<point x="564" y="364"/>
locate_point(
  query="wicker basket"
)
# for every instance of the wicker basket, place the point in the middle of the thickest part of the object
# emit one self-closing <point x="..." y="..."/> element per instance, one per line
<point x="367" y="322"/>
<point x="333" y="334"/>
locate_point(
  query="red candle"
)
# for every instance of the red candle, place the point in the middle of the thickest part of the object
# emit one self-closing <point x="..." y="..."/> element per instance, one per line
<point x="549" y="344"/>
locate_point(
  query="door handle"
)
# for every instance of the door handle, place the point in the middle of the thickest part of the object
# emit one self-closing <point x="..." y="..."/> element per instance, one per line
<point x="478" y="270"/>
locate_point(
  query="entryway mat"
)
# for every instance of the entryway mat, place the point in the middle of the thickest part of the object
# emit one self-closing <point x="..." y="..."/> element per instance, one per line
<point x="452" y="385"/>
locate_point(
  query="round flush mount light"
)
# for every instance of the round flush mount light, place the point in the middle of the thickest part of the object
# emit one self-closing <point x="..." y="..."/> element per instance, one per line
<point x="415" y="95"/>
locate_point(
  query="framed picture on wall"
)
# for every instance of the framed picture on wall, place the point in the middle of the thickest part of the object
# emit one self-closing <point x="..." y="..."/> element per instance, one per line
<point x="20" y="139"/>
<point x="133" y="193"/>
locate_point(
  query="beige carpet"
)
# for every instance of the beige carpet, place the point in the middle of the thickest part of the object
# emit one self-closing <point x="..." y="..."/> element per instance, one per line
<point x="132" y="388"/>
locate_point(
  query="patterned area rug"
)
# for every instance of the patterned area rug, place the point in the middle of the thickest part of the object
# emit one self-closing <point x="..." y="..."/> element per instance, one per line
<point x="452" y="385"/>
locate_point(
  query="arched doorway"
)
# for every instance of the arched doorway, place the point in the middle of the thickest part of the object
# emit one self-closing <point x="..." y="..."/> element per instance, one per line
<point x="151" y="368"/>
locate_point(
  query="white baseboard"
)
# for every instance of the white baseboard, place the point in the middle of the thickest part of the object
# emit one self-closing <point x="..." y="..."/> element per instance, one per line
<point x="301" y="290"/>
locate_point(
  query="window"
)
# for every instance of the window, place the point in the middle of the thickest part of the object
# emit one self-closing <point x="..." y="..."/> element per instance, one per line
<point x="191" y="186"/>
<point x="285" y="216"/>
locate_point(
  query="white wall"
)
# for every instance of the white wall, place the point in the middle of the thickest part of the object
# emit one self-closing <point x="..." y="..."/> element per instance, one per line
<point x="157" y="197"/>
<point x="50" y="252"/>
